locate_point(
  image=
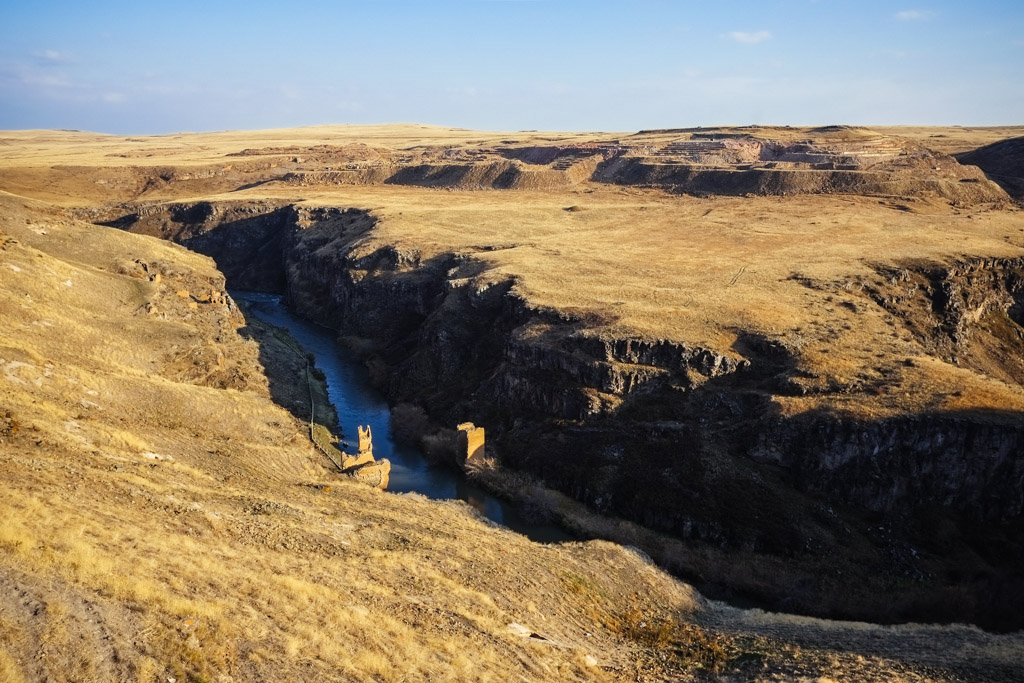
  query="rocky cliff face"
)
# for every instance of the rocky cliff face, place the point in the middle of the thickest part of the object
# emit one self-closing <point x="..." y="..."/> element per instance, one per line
<point x="970" y="189"/>
<point x="680" y="438"/>
<point x="959" y="462"/>
<point x="449" y="337"/>
<point x="1003" y="162"/>
<point x="955" y="310"/>
<point x="244" y="238"/>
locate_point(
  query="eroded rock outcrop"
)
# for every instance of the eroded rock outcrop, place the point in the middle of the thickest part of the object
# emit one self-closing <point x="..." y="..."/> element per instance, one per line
<point x="244" y="238"/>
<point x="446" y="338"/>
<point x="1002" y="162"/>
<point x="736" y="161"/>
<point x="966" y="312"/>
<point x="684" y="439"/>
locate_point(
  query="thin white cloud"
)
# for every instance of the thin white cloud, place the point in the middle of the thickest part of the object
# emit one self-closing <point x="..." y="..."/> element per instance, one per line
<point x="750" y="38"/>
<point x="32" y="76"/>
<point x="913" y="15"/>
<point x="51" y="57"/>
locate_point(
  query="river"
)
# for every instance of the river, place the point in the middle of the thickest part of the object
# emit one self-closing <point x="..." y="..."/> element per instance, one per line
<point x="359" y="403"/>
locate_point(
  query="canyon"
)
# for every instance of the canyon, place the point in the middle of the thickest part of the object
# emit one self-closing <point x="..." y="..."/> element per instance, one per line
<point x="787" y="360"/>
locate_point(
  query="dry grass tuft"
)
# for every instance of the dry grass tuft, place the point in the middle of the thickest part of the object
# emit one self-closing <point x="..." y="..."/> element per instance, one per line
<point x="198" y="650"/>
<point x="9" y="670"/>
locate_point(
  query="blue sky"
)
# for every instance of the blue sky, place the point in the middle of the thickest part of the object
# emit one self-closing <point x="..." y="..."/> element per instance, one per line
<point x="138" y="67"/>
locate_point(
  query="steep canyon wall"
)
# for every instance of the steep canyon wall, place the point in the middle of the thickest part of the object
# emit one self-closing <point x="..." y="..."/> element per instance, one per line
<point x="683" y="439"/>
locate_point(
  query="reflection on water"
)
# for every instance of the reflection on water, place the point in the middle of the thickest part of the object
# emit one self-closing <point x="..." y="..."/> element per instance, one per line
<point x="359" y="403"/>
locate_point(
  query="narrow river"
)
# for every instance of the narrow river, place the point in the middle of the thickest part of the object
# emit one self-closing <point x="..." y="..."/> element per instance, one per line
<point x="359" y="403"/>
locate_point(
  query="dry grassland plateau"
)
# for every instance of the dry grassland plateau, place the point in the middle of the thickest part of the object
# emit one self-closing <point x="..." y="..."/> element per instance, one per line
<point x="783" y="365"/>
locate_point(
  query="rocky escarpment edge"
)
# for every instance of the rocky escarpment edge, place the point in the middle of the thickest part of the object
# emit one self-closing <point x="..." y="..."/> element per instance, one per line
<point x="448" y="336"/>
<point x="683" y="439"/>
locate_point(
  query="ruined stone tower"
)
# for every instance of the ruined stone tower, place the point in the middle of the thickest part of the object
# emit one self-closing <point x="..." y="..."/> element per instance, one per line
<point x="365" y="440"/>
<point x="470" y="443"/>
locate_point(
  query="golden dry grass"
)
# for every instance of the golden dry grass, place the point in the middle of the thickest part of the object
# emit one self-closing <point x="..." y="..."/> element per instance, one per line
<point x="157" y="518"/>
<point x="953" y="139"/>
<point x="647" y="264"/>
<point x="29" y="148"/>
<point x="165" y="524"/>
<point x="636" y="262"/>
